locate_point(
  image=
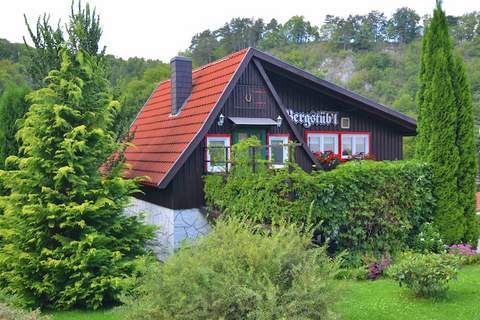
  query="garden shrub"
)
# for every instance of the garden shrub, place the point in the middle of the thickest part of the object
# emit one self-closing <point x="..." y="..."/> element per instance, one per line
<point x="428" y="240"/>
<point x="362" y="206"/>
<point x="428" y="275"/>
<point x="239" y="271"/>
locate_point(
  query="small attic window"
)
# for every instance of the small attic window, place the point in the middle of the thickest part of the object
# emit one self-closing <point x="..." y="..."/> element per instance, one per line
<point x="345" y="123"/>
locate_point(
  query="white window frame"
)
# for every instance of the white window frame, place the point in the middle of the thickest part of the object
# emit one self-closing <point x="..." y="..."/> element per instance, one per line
<point x="226" y="139"/>
<point x="354" y="144"/>
<point x="284" y="139"/>
<point x="322" y="137"/>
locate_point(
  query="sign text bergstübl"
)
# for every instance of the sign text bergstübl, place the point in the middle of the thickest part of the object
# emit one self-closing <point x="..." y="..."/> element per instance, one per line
<point x="314" y="118"/>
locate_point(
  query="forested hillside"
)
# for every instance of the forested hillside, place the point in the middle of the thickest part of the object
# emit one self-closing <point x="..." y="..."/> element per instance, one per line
<point x="374" y="55"/>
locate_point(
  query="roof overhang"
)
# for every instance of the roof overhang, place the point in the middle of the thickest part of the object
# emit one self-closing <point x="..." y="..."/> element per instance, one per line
<point x="407" y="125"/>
<point x="239" y="121"/>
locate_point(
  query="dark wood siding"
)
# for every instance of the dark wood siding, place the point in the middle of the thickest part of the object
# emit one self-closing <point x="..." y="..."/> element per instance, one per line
<point x="262" y="105"/>
<point x="251" y="98"/>
<point x="386" y="139"/>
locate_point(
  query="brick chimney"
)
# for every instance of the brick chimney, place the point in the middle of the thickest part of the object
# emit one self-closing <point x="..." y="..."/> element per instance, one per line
<point x="181" y="80"/>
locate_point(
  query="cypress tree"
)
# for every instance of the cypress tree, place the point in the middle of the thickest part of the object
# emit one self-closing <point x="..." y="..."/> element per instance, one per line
<point x="436" y="38"/>
<point x="465" y="141"/>
<point x="443" y="151"/>
<point x="66" y="242"/>
<point x="437" y="125"/>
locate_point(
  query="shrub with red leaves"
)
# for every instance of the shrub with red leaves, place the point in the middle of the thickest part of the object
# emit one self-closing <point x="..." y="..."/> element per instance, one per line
<point x="375" y="269"/>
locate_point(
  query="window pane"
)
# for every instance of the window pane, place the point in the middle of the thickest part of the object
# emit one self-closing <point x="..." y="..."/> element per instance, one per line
<point x="346" y="145"/>
<point x="329" y="143"/>
<point x="360" y="144"/>
<point x="217" y="154"/>
<point x="314" y="143"/>
<point x="278" y="150"/>
<point x="242" y="136"/>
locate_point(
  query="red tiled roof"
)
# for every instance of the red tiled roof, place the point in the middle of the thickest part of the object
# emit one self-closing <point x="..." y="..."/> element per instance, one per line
<point x="160" y="138"/>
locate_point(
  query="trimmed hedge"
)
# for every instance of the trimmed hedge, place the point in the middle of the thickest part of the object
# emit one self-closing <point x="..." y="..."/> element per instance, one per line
<point x="362" y="206"/>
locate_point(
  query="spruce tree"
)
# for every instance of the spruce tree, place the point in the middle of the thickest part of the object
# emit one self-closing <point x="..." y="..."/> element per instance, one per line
<point x="12" y="109"/>
<point x="465" y="141"/>
<point x="66" y="242"/>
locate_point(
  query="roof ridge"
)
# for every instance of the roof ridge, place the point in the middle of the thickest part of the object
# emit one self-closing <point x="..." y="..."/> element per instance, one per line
<point x="227" y="57"/>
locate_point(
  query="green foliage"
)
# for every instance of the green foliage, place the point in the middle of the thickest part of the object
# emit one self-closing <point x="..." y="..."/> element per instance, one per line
<point x="10" y="74"/>
<point x="427" y="275"/>
<point x="66" y="242"/>
<point x="439" y="134"/>
<point x="428" y="240"/>
<point x="362" y="206"/>
<point x="403" y="27"/>
<point x="82" y="32"/>
<point x="467" y="170"/>
<point x="12" y="109"/>
<point x="358" y="273"/>
<point x="384" y="299"/>
<point x="240" y="271"/>
<point x="134" y="93"/>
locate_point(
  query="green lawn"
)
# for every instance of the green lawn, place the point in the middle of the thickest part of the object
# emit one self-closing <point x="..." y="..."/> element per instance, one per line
<point x="379" y="300"/>
<point x="86" y="315"/>
<point x="385" y="300"/>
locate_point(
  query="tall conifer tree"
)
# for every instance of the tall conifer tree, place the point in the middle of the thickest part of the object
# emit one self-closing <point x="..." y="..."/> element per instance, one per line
<point x="66" y="242"/>
<point x="443" y="152"/>
<point x="467" y="170"/>
<point x="437" y="125"/>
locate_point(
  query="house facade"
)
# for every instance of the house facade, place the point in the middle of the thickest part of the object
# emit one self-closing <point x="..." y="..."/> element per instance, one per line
<point x="244" y="94"/>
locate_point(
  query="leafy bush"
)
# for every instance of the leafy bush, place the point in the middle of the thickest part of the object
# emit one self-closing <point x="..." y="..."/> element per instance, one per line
<point x="427" y="275"/>
<point x="240" y="272"/>
<point x="10" y="313"/>
<point x="362" y="206"/>
<point x="429" y="240"/>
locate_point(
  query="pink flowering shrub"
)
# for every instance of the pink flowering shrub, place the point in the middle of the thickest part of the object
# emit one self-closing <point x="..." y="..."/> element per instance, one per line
<point x="462" y="250"/>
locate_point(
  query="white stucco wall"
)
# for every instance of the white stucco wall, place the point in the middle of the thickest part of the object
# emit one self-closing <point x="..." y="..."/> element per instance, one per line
<point x="175" y="226"/>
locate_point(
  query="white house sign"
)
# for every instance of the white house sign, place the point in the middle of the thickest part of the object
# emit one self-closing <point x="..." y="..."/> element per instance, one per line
<point x="314" y="118"/>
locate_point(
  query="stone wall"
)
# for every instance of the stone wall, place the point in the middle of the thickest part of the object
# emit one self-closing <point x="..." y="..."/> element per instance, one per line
<point x="174" y="226"/>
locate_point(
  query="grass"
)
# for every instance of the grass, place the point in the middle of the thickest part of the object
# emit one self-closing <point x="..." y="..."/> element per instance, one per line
<point x="85" y="315"/>
<point x="380" y="300"/>
<point x="385" y="300"/>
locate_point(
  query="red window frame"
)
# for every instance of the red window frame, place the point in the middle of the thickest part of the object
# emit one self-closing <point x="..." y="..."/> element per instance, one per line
<point x="340" y="133"/>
